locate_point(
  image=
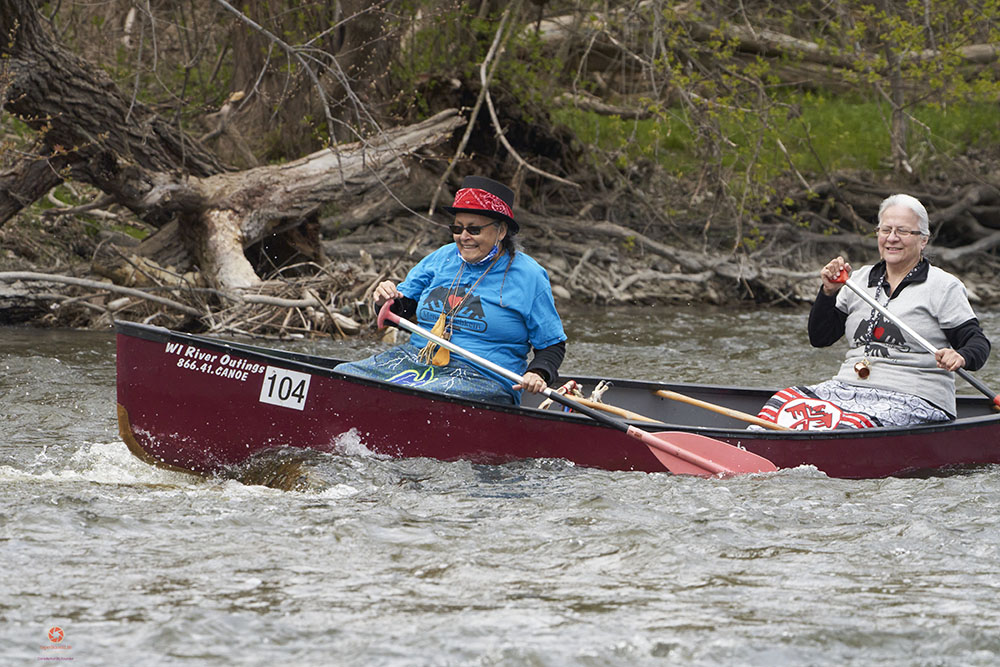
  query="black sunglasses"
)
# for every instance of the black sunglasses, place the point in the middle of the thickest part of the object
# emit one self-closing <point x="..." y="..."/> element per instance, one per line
<point x="472" y="229"/>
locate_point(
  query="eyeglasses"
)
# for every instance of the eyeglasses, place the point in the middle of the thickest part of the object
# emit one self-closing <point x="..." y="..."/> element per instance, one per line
<point x="472" y="229"/>
<point x="900" y="232"/>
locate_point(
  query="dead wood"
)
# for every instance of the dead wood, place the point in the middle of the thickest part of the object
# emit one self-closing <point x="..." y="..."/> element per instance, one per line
<point x="588" y="102"/>
<point x="296" y="300"/>
<point x="89" y="130"/>
<point x="594" y="43"/>
<point x="15" y="276"/>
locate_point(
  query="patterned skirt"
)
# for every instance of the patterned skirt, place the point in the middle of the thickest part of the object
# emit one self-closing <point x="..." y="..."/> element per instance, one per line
<point x="399" y="365"/>
<point x="834" y="404"/>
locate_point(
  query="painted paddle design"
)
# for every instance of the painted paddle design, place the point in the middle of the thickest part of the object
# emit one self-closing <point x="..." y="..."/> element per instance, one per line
<point x="924" y="343"/>
<point x="680" y="453"/>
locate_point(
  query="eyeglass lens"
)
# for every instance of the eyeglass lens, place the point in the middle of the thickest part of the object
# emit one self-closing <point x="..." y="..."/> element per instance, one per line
<point x="901" y="233"/>
<point x="472" y="229"/>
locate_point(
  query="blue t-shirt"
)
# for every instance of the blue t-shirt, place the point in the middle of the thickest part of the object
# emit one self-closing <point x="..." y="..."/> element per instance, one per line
<point x="509" y="312"/>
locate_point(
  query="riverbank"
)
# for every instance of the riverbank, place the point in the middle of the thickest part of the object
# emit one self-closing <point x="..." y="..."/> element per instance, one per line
<point x="51" y="274"/>
<point x="659" y="153"/>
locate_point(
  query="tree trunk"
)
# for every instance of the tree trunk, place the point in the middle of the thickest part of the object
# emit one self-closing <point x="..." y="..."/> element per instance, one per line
<point x="82" y="119"/>
<point x="26" y="182"/>
<point x="96" y="135"/>
<point x="240" y="209"/>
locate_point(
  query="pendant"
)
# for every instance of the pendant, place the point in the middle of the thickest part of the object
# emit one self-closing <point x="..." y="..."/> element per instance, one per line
<point x="863" y="369"/>
<point x="432" y="354"/>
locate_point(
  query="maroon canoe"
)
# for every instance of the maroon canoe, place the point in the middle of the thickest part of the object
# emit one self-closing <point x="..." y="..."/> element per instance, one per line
<point x="202" y="404"/>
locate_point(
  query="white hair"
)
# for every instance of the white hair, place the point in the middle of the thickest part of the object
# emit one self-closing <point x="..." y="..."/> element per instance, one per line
<point x="911" y="203"/>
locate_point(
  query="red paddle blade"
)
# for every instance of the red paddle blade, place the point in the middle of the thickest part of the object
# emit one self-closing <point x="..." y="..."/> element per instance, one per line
<point x="692" y="454"/>
<point x="385" y="314"/>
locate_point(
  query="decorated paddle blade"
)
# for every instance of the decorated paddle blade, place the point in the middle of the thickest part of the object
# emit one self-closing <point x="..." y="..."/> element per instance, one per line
<point x="692" y="454"/>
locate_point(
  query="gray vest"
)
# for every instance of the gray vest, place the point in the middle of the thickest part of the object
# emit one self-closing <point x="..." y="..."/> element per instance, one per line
<point x="896" y="363"/>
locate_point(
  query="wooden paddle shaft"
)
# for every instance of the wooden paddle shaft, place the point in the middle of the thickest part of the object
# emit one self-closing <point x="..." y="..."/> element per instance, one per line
<point x="729" y="412"/>
<point x="613" y="409"/>
<point x="584" y="406"/>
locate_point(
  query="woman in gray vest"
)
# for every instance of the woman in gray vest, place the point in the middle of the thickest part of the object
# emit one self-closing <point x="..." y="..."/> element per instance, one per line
<point x="886" y="379"/>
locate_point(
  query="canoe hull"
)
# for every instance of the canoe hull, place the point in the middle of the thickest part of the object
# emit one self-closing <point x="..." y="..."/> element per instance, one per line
<point x="194" y="418"/>
<point x="201" y="405"/>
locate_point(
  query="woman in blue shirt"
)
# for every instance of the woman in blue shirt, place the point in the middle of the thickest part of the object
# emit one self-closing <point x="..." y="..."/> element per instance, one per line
<point x="485" y="295"/>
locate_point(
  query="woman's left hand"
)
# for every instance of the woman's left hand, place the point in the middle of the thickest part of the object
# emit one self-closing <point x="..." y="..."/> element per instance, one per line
<point x="532" y="382"/>
<point x="949" y="359"/>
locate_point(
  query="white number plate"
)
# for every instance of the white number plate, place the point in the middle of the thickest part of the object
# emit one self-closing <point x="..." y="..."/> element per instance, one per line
<point x="285" y="388"/>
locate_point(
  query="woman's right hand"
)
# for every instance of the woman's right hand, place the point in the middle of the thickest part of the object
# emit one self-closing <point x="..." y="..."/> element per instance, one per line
<point x="830" y="272"/>
<point x="384" y="291"/>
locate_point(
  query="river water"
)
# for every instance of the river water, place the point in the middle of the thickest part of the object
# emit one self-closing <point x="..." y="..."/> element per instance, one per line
<point x="420" y="562"/>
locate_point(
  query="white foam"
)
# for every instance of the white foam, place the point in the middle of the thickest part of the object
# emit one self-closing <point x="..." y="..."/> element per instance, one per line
<point x="101" y="463"/>
<point x="350" y="444"/>
<point x="337" y="492"/>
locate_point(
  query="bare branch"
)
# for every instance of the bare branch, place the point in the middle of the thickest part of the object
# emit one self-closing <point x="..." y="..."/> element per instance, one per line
<point x="14" y="276"/>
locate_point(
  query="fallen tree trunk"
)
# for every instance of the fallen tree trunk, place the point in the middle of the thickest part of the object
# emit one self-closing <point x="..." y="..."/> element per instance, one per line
<point x="226" y="213"/>
<point x="598" y="42"/>
<point x="210" y="216"/>
<point x="87" y="129"/>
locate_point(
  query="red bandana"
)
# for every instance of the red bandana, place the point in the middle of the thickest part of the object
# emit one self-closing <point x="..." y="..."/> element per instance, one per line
<point x="481" y="200"/>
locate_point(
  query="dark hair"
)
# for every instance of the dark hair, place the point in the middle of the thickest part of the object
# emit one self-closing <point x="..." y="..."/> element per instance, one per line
<point x="510" y="245"/>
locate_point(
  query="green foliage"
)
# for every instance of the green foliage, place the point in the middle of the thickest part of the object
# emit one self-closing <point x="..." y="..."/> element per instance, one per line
<point x="17" y="135"/>
<point x="827" y="134"/>
<point x="667" y="140"/>
<point x="753" y="239"/>
<point x="444" y="45"/>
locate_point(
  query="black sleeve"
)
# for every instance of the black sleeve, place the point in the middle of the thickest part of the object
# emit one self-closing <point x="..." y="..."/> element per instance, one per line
<point x="826" y="321"/>
<point x="969" y="341"/>
<point x="547" y="360"/>
<point x="405" y="307"/>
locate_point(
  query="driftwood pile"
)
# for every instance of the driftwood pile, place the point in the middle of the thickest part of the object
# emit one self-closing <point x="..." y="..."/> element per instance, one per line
<point x="298" y="307"/>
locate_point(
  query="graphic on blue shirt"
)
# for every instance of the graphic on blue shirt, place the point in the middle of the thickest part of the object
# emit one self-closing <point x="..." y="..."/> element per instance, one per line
<point x="469" y="317"/>
<point x="510" y="310"/>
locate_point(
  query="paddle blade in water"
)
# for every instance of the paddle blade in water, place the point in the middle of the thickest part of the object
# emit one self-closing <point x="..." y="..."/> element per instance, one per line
<point x="692" y="454"/>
